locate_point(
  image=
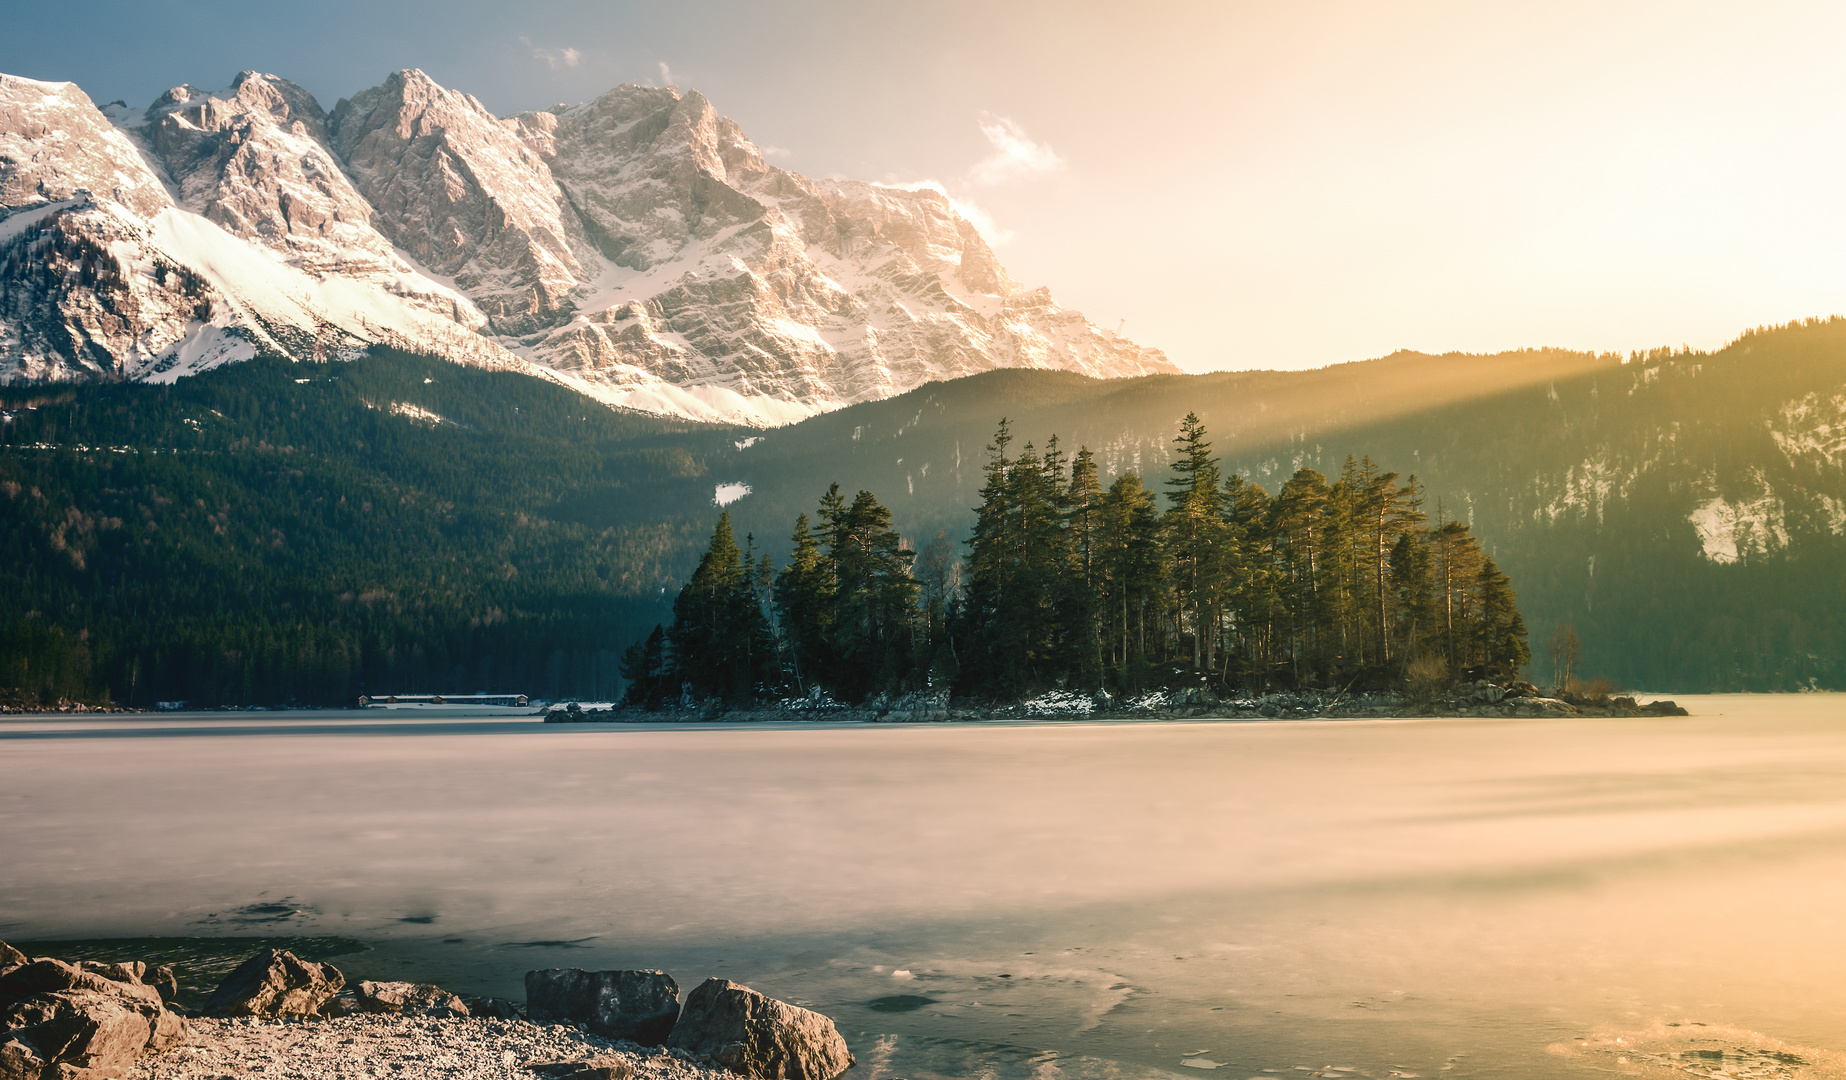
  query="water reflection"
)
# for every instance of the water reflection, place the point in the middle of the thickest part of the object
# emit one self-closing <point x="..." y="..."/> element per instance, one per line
<point x="1454" y="898"/>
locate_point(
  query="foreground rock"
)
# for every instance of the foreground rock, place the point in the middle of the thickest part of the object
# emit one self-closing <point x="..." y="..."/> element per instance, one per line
<point x="600" y="1067"/>
<point x="757" y="1036"/>
<point x="397" y="999"/>
<point x="56" y="1017"/>
<point x="275" y="983"/>
<point x="639" y="1006"/>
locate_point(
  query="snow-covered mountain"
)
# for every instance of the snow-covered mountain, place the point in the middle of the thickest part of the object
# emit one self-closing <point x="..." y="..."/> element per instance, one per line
<point x="636" y="247"/>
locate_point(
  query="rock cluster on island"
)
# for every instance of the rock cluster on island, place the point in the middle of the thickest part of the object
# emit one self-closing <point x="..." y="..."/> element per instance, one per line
<point x="90" y="1020"/>
<point x="1518" y="700"/>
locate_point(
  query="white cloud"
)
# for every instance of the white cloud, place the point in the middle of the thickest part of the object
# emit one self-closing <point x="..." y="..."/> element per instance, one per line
<point x="554" y="59"/>
<point x="666" y="74"/>
<point x="775" y="151"/>
<point x="1014" y="154"/>
<point x="983" y="222"/>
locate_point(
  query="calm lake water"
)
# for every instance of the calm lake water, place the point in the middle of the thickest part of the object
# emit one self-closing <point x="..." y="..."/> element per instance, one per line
<point x="1454" y="898"/>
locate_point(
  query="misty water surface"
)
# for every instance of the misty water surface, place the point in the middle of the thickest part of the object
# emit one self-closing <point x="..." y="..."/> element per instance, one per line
<point x="1441" y="897"/>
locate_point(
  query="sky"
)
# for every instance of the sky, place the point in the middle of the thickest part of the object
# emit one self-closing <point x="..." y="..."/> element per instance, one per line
<point x="1244" y="185"/>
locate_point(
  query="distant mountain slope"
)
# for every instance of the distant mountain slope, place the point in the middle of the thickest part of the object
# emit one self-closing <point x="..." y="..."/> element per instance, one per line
<point x="1685" y="511"/>
<point x="1682" y="510"/>
<point x="635" y="248"/>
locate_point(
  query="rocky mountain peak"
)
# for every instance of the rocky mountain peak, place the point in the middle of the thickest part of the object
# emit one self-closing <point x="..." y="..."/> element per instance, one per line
<point x="250" y="94"/>
<point x="464" y="194"/>
<point x="636" y="246"/>
<point x="54" y="142"/>
<point x="252" y="158"/>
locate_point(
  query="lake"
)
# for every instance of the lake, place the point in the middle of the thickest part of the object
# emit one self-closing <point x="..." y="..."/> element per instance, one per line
<point x="1453" y="897"/>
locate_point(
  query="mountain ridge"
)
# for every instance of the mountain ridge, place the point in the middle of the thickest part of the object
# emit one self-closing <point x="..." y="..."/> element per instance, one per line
<point x="635" y="247"/>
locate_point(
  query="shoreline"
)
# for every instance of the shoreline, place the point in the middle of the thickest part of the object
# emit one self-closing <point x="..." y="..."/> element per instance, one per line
<point x="109" y="1007"/>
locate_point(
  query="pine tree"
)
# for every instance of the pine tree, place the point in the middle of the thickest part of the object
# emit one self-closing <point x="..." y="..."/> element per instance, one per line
<point x="1455" y="562"/>
<point x="1082" y="599"/>
<point x="1133" y="574"/>
<point x="804" y="606"/>
<point x="990" y="660"/>
<point x="720" y="642"/>
<point x="1253" y="594"/>
<point x="644" y="665"/>
<point x="1500" y="631"/>
<point x="1413" y="595"/>
<point x="938" y="575"/>
<point x="1297" y="528"/>
<point x="875" y="599"/>
<point x="1195" y="530"/>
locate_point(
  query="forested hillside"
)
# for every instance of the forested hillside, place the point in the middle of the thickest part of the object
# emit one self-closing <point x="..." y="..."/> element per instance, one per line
<point x="1685" y="511"/>
<point x="273" y="531"/>
<point x="276" y="532"/>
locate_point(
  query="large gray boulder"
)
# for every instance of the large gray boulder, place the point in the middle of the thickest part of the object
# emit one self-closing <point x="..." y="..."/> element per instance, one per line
<point x="275" y="983"/>
<point x="639" y="1006"/>
<point x="397" y="999"/>
<point x="757" y="1036"/>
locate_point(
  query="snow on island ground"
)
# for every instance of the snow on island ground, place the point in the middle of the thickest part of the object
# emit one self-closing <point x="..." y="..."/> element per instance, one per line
<point x="364" y="1046"/>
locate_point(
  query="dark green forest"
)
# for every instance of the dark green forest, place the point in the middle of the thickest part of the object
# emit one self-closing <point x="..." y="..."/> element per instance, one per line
<point x="270" y="532"/>
<point x="273" y="532"/>
<point x="1067" y="585"/>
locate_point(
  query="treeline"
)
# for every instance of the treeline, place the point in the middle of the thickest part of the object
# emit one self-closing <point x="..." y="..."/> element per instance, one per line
<point x="1067" y="584"/>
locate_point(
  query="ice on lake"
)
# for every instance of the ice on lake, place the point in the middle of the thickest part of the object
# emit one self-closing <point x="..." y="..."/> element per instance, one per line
<point x="1443" y="897"/>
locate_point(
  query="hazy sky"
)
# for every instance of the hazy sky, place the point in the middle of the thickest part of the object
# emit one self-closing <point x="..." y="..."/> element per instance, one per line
<point x="1249" y="185"/>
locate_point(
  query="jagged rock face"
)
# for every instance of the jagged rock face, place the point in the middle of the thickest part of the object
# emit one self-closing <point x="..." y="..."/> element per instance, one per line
<point x="85" y="293"/>
<point x="636" y="247"/>
<point x="754" y="284"/>
<point x="252" y="160"/>
<point x="54" y="142"/>
<point x="461" y="191"/>
<point x="648" y="172"/>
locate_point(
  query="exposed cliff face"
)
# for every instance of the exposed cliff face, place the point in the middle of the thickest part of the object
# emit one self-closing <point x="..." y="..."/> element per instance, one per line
<point x="54" y="142"/>
<point x="758" y="288"/>
<point x="636" y="247"/>
<point x="462" y="193"/>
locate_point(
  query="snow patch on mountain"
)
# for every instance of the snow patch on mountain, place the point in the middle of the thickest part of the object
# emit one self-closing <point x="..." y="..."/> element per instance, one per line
<point x="1752" y="522"/>
<point x="410" y="410"/>
<point x="1812" y="430"/>
<point x="1586" y="489"/>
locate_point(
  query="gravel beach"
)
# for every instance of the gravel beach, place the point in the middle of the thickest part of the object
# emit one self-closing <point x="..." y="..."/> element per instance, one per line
<point x="400" y="1048"/>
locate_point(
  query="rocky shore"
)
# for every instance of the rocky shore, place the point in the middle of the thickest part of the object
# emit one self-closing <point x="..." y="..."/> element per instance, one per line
<point x="1483" y="699"/>
<point x="279" y="1016"/>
